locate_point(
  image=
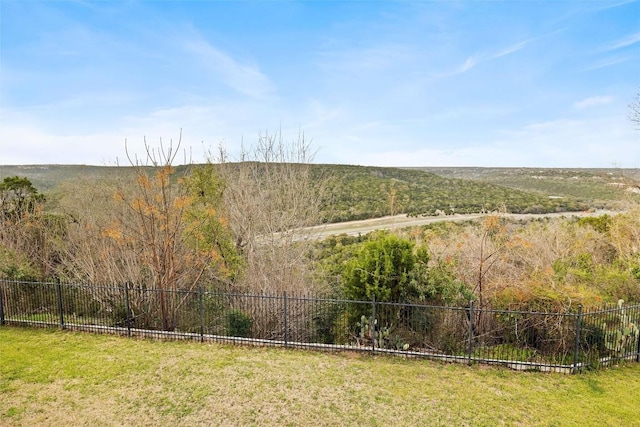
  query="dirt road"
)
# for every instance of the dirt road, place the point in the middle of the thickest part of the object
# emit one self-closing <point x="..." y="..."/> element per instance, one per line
<point x="354" y="228"/>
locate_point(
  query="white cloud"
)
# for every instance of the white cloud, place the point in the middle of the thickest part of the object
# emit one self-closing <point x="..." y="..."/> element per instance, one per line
<point x="476" y="59"/>
<point x="30" y="144"/>
<point x="599" y="142"/>
<point x="596" y="142"/>
<point x="27" y="138"/>
<point x="468" y="64"/>
<point x="606" y="6"/>
<point x="372" y="58"/>
<point x="612" y="60"/>
<point x="511" y="49"/>
<point x="246" y="79"/>
<point x="627" y="41"/>
<point x="593" y="101"/>
<point x="557" y="143"/>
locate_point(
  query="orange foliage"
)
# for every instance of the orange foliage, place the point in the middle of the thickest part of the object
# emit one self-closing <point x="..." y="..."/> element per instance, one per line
<point x="163" y="175"/>
<point x="491" y="223"/>
<point x="118" y="196"/>
<point x="143" y="181"/>
<point x="182" y="202"/>
<point x="112" y="232"/>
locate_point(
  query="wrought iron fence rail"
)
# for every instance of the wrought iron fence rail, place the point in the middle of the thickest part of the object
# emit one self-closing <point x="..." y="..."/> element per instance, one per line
<point x="147" y="333"/>
<point x="559" y="342"/>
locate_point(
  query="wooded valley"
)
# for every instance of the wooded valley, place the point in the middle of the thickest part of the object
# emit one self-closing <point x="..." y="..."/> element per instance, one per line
<point x="235" y="226"/>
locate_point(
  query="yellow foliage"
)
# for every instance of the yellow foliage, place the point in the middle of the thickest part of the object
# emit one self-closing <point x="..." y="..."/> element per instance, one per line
<point x="542" y="296"/>
<point x="182" y="202"/>
<point x="141" y="206"/>
<point x="163" y="174"/>
<point x="138" y="204"/>
<point x="491" y="223"/>
<point x="143" y="181"/>
<point x="118" y="196"/>
<point x="516" y="242"/>
<point x="112" y="232"/>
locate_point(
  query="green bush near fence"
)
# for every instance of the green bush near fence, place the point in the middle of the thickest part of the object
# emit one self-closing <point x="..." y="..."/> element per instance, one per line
<point x="329" y="325"/>
<point x="239" y="324"/>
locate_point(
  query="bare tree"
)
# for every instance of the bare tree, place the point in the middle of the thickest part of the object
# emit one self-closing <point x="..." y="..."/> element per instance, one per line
<point x="271" y="197"/>
<point x="153" y="228"/>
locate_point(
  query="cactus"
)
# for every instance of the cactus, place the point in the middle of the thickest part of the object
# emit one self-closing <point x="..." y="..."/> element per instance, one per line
<point x="625" y="335"/>
<point x="380" y="335"/>
<point x="364" y="328"/>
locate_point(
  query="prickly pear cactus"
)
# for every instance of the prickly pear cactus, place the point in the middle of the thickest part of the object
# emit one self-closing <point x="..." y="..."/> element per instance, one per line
<point x="380" y="336"/>
<point x="364" y="326"/>
<point x="624" y="338"/>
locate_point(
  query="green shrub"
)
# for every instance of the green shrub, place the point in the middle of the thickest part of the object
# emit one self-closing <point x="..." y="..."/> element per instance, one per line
<point x="382" y="268"/>
<point x="239" y="324"/>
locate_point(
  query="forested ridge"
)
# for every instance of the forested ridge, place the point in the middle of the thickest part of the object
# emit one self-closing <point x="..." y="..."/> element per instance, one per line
<point x="235" y="226"/>
<point x="359" y="192"/>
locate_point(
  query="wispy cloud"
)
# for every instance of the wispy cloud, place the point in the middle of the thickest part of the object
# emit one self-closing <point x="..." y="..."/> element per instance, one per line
<point x="376" y="58"/>
<point x="478" y="58"/>
<point x="598" y="142"/>
<point x="606" y="6"/>
<point x="612" y="60"/>
<point x="511" y="49"/>
<point x="593" y="101"/>
<point x="555" y="143"/>
<point x="468" y="64"/>
<point x="624" y="42"/>
<point x="246" y="79"/>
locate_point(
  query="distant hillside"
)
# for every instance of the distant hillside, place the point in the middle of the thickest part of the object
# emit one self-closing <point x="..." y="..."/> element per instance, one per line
<point x="47" y="177"/>
<point x="589" y="185"/>
<point x="360" y="192"/>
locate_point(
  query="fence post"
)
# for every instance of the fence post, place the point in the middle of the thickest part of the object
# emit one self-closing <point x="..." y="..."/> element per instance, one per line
<point x="201" y="312"/>
<point x="638" y="348"/>
<point x="286" y="320"/>
<point x="2" y="303"/>
<point x="576" y="350"/>
<point x="60" y="307"/>
<point x="471" y="315"/>
<point x="373" y="324"/>
<point x="128" y="307"/>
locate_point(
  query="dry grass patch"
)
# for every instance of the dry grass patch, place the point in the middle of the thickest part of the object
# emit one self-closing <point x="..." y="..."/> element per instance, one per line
<point x="55" y="378"/>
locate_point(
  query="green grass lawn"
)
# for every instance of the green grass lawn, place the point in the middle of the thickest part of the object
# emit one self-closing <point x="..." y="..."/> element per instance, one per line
<point x="54" y="378"/>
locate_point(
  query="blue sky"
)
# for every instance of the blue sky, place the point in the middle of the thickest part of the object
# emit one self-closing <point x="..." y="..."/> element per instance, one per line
<point x="389" y="83"/>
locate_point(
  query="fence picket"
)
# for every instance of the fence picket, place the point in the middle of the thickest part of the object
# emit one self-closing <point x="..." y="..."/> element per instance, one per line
<point x="1" y="304"/>
<point x="576" y="351"/>
<point x="60" y="306"/>
<point x="519" y="339"/>
<point x="127" y="308"/>
<point x="471" y="320"/>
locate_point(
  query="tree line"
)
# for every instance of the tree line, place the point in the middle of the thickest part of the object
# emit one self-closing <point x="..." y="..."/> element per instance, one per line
<point x="235" y="226"/>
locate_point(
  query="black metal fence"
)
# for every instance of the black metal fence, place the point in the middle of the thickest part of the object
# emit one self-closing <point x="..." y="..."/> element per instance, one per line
<point x="563" y="342"/>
